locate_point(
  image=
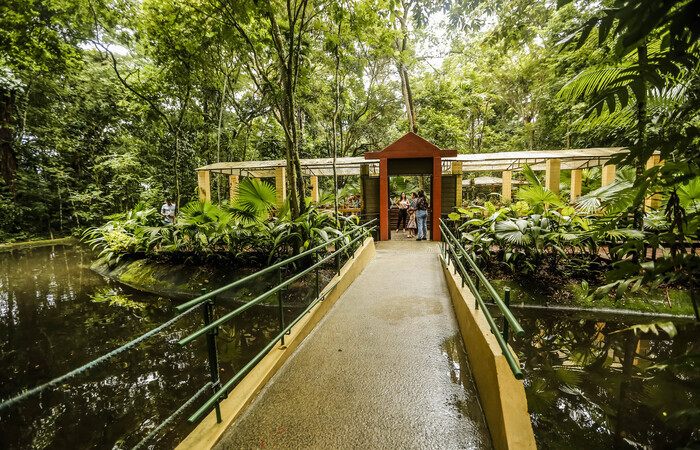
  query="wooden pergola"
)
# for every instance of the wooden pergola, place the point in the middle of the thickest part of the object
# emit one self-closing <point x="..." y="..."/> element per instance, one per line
<point x="448" y="161"/>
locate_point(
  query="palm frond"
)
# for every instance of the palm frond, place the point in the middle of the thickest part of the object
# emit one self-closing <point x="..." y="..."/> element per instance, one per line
<point x="539" y="195"/>
<point x="255" y="196"/>
<point x="592" y="83"/>
<point x="514" y="232"/>
<point x="530" y="176"/>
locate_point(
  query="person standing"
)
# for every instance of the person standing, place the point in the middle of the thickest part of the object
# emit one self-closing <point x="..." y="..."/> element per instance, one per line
<point x="403" y="212"/>
<point x="411" y="222"/>
<point x="422" y="216"/>
<point x="414" y="199"/>
<point x="168" y="212"/>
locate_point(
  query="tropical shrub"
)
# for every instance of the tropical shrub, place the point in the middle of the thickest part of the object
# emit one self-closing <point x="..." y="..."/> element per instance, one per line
<point x="245" y="232"/>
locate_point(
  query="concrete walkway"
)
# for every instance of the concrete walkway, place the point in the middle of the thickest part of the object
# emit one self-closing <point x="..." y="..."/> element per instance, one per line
<point x="385" y="369"/>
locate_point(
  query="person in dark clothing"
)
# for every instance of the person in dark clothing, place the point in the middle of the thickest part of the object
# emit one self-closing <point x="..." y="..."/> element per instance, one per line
<point x="422" y="206"/>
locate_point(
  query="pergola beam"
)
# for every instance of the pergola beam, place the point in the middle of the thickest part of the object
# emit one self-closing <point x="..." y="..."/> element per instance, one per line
<point x="507" y="187"/>
<point x="281" y="185"/>
<point x="233" y="187"/>
<point x="576" y="179"/>
<point x="553" y="175"/>
<point x="654" y="200"/>
<point x="204" y="185"/>
<point x="314" y="189"/>
<point x="608" y="174"/>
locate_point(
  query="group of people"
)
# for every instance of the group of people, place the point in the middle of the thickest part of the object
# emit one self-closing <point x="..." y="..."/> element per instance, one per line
<point x="353" y="202"/>
<point x="413" y="214"/>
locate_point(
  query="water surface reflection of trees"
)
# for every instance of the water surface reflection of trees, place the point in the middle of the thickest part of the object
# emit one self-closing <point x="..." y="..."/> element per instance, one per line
<point x="56" y="314"/>
<point x="593" y="384"/>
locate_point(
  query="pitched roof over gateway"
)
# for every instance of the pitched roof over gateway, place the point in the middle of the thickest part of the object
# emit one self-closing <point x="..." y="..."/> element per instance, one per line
<point x="410" y="145"/>
<point x="406" y="146"/>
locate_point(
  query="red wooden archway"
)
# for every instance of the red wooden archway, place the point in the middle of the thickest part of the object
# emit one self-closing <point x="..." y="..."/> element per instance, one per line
<point x="410" y="146"/>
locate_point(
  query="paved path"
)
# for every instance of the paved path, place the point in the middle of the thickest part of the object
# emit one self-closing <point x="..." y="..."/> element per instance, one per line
<point x="385" y="369"/>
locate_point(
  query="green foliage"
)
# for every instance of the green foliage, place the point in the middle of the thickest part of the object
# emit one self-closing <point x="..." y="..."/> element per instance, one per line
<point x="118" y="300"/>
<point x="244" y="233"/>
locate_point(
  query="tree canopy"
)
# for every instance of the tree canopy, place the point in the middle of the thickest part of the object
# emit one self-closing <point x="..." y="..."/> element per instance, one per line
<point x="106" y="104"/>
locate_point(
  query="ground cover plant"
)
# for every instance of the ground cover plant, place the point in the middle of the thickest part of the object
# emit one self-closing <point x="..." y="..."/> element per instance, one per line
<point x="580" y="251"/>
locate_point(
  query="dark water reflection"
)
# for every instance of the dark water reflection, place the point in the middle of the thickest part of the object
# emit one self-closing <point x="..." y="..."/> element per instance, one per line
<point x="56" y="314"/>
<point x="591" y="387"/>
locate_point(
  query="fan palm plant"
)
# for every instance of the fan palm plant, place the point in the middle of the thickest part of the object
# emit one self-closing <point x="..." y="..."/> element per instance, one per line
<point x="255" y="200"/>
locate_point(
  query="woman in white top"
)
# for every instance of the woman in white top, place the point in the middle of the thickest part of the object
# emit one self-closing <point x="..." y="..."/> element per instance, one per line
<point x="403" y="204"/>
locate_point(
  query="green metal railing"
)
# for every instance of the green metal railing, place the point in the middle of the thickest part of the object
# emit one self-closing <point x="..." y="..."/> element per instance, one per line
<point x="350" y="241"/>
<point x="452" y="248"/>
<point x="211" y="326"/>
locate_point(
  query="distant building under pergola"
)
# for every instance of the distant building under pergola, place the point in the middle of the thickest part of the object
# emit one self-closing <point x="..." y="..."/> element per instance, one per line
<point x="413" y="155"/>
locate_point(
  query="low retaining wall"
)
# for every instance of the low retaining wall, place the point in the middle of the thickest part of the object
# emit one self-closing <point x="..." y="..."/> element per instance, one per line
<point x="208" y="432"/>
<point x="502" y="396"/>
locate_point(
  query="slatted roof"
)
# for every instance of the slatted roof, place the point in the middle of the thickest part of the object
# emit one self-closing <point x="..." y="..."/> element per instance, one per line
<point x="474" y="162"/>
<point x="489" y="181"/>
<point x="570" y="159"/>
<point x="310" y="167"/>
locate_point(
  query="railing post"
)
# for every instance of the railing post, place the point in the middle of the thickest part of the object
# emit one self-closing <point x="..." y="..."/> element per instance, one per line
<point x="318" y="292"/>
<point x="208" y="312"/>
<point x="354" y="248"/>
<point x="280" y="295"/>
<point x="506" y="300"/>
<point x="337" y="261"/>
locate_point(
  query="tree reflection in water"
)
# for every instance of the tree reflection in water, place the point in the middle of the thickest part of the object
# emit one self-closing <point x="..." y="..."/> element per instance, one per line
<point x="589" y="386"/>
<point x="56" y="314"/>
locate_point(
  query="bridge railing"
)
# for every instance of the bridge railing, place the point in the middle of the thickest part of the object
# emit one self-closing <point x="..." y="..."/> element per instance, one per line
<point x="210" y="327"/>
<point x="453" y="249"/>
<point x="344" y="244"/>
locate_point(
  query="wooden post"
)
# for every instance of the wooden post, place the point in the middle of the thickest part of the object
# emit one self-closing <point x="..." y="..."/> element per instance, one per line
<point x="608" y="175"/>
<point x="507" y="186"/>
<point x="233" y="187"/>
<point x="552" y="176"/>
<point x="364" y="172"/>
<point x="204" y="185"/>
<point x="281" y="185"/>
<point x="314" y="189"/>
<point x="384" y="199"/>
<point x="576" y="178"/>
<point x="654" y="200"/>
<point x="457" y="170"/>
<point x="437" y="198"/>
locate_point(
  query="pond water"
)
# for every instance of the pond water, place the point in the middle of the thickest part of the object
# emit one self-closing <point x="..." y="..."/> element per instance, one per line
<point x="591" y="385"/>
<point x="56" y="314"/>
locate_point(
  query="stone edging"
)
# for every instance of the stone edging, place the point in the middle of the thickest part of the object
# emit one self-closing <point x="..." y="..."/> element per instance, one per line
<point x="502" y="395"/>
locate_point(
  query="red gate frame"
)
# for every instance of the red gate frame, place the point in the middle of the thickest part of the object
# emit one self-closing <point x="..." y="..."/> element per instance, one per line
<point x="410" y="145"/>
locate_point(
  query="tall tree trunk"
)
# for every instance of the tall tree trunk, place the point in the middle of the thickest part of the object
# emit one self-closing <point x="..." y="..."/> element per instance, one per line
<point x="640" y="163"/>
<point x="471" y="134"/>
<point x="483" y="127"/>
<point x="8" y="159"/>
<point x="218" y="138"/>
<point x="527" y="120"/>
<point x="335" y="124"/>
<point x="177" y="169"/>
<point x="406" y="99"/>
<point x="401" y="47"/>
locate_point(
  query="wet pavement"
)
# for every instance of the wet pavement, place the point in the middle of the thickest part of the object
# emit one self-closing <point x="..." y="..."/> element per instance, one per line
<point x="385" y="368"/>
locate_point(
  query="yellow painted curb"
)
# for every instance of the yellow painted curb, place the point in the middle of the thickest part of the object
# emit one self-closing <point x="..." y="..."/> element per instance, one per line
<point x="502" y="395"/>
<point x="208" y="432"/>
